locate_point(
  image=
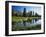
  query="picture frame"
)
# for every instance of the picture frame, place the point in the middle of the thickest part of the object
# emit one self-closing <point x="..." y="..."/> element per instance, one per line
<point x="15" y="5"/>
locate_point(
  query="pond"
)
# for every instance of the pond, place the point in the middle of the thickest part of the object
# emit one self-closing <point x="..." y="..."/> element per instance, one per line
<point x="23" y="24"/>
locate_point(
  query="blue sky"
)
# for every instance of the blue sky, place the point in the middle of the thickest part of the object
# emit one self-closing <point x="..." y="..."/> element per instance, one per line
<point x="28" y="8"/>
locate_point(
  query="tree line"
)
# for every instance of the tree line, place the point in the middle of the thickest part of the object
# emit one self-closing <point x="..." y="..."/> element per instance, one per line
<point x="24" y="14"/>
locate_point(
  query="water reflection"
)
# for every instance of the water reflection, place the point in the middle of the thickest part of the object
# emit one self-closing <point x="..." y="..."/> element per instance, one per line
<point x="25" y="23"/>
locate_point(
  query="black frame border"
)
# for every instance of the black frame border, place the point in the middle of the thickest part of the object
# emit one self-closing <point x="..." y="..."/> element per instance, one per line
<point x="7" y="17"/>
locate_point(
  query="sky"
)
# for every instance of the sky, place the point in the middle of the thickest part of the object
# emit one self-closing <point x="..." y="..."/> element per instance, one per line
<point x="28" y="8"/>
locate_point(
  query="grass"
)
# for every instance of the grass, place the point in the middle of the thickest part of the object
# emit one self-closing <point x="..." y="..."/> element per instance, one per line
<point x="36" y="27"/>
<point x="18" y="19"/>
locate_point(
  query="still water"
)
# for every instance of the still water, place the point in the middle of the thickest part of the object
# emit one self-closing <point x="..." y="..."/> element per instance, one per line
<point x="28" y="24"/>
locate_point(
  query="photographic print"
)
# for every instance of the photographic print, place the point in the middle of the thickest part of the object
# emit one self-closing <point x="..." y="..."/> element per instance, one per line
<point x="25" y="18"/>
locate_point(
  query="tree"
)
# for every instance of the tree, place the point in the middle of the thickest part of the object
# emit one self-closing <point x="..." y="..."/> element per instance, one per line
<point x="30" y="13"/>
<point x="36" y="14"/>
<point x="24" y="12"/>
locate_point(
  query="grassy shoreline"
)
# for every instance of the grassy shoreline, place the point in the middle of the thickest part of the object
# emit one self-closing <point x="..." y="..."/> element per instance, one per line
<point x="18" y="19"/>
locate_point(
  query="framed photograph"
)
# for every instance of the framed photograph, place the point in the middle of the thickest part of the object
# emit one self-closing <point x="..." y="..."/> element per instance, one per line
<point x="24" y="18"/>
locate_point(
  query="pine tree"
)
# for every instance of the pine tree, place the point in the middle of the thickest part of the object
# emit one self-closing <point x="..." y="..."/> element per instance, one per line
<point x="24" y="12"/>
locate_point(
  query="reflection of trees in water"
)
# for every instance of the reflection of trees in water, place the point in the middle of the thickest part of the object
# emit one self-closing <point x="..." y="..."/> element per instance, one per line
<point x="35" y="20"/>
<point x="32" y="21"/>
<point x="24" y="23"/>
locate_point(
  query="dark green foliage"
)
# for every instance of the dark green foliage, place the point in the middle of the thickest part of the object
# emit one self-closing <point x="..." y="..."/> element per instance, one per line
<point x="30" y="14"/>
<point x="24" y="12"/>
<point x="36" y="27"/>
<point x="29" y="20"/>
